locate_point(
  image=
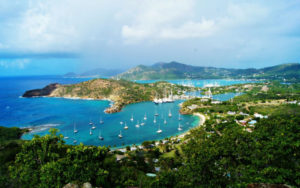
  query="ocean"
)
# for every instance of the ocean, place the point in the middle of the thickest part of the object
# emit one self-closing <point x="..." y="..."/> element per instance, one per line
<point x="43" y="113"/>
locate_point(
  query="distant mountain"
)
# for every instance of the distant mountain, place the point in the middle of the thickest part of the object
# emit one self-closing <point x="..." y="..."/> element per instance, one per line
<point x="99" y="72"/>
<point x="175" y="70"/>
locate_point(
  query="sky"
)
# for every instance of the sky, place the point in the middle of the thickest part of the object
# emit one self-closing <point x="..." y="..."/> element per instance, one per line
<point x="59" y="36"/>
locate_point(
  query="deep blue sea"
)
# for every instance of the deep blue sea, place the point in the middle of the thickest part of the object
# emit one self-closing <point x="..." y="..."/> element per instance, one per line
<point x="44" y="113"/>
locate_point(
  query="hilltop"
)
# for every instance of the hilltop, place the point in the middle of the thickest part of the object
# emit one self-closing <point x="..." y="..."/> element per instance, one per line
<point x="121" y="92"/>
<point x="175" y="70"/>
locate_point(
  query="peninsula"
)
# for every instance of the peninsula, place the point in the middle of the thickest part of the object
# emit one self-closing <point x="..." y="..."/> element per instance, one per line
<point x="121" y="92"/>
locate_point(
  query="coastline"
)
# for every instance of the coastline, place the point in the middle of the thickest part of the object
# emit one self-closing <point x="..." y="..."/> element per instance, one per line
<point x="201" y="122"/>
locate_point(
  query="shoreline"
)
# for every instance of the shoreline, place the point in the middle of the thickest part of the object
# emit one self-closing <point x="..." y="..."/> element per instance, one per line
<point x="201" y="122"/>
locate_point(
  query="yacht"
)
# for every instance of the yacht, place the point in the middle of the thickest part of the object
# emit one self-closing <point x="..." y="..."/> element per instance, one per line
<point x="120" y="135"/>
<point x="125" y="127"/>
<point x="131" y="119"/>
<point x="137" y="124"/>
<point x="154" y="121"/>
<point x="179" y="127"/>
<point x="170" y="114"/>
<point x="75" y="130"/>
<point x="100" y="137"/>
<point x="179" y="117"/>
<point x="159" y="130"/>
<point x="101" y="121"/>
<point x="145" y="117"/>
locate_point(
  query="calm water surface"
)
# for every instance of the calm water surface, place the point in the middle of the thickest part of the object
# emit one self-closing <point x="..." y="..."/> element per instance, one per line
<point x="44" y="113"/>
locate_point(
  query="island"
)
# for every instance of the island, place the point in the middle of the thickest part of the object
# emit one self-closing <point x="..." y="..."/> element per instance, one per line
<point x="120" y="92"/>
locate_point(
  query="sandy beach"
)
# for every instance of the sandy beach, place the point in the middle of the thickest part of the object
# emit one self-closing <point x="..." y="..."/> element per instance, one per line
<point x="201" y="122"/>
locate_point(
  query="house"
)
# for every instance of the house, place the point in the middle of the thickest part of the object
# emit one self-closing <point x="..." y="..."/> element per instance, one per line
<point x="192" y="107"/>
<point x="260" y="116"/>
<point x="216" y="102"/>
<point x="231" y="113"/>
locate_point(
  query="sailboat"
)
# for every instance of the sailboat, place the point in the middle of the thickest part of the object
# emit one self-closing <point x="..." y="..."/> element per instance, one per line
<point x="93" y="127"/>
<point x="165" y="122"/>
<point x="154" y="121"/>
<point x="101" y="121"/>
<point x="145" y="117"/>
<point x="159" y="130"/>
<point x="66" y="137"/>
<point x="170" y="114"/>
<point x="75" y="130"/>
<point x="137" y="124"/>
<point x="120" y="135"/>
<point x="90" y="123"/>
<point x="179" y="117"/>
<point x="91" y="132"/>
<point x="179" y="127"/>
<point x="131" y="119"/>
<point x="125" y="127"/>
<point x="74" y="141"/>
<point x="100" y="137"/>
<point x="142" y="123"/>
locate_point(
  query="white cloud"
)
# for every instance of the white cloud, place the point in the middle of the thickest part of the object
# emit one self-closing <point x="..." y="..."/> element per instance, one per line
<point x="16" y="63"/>
<point x="190" y="30"/>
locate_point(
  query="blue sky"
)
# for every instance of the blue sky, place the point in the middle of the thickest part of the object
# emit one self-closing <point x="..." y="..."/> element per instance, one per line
<point x="59" y="36"/>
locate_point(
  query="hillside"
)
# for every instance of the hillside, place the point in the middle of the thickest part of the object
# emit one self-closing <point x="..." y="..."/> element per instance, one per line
<point x="121" y="92"/>
<point x="175" y="70"/>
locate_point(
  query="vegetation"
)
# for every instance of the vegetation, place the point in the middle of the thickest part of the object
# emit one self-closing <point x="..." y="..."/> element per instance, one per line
<point x="224" y="152"/>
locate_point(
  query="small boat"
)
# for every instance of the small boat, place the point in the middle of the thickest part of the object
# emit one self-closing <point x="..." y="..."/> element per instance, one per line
<point x="91" y="132"/>
<point x="142" y="124"/>
<point x="179" y="117"/>
<point x="75" y="130"/>
<point x="93" y="127"/>
<point x="66" y="137"/>
<point x="131" y="119"/>
<point x="137" y="125"/>
<point x="91" y="123"/>
<point x="101" y="121"/>
<point x="121" y="122"/>
<point x="74" y="141"/>
<point x="165" y="122"/>
<point x="100" y="137"/>
<point x="125" y="127"/>
<point x="159" y="130"/>
<point x="179" y="127"/>
<point x="145" y="117"/>
<point x="170" y="114"/>
<point x="120" y="135"/>
<point x="156" y="114"/>
<point x="154" y="121"/>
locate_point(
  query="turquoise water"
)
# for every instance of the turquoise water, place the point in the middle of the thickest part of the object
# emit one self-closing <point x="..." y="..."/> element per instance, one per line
<point x="44" y="113"/>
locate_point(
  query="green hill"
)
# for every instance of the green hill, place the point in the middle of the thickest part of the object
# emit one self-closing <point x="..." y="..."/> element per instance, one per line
<point x="175" y="70"/>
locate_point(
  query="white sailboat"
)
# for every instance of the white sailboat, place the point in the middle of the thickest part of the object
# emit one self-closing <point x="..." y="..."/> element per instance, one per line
<point x="170" y="114"/>
<point x="154" y="121"/>
<point x="165" y="121"/>
<point x="131" y="119"/>
<point x="137" y="124"/>
<point x="91" y="132"/>
<point x="142" y="124"/>
<point x="75" y="141"/>
<point x="100" y="137"/>
<point x="179" y="127"/>
<point x="93" y="127"/>
<point x="66" y="137"/>
<point x="90" y="123"/>
<point x="120" y="135"/>
<point x="121" y="122"/>
<point x="101" y="121"/>
<point x="179" y="117"/>
<point x="75" y="130"/>
<point x="125" y="127"/>
<point x="159" y="130"/>
<point x="156" y="114"/>
<point x="145" y="116"/>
